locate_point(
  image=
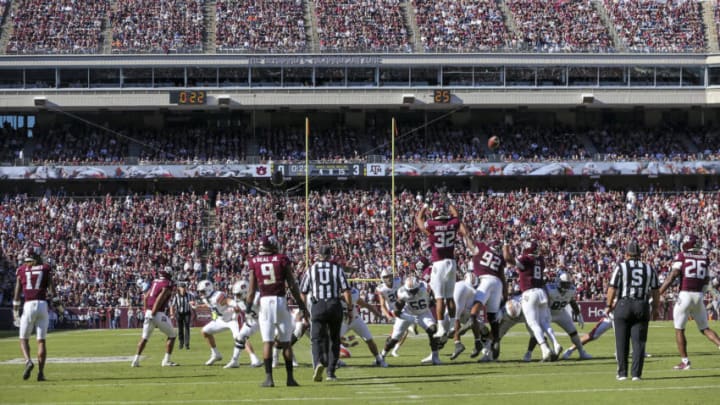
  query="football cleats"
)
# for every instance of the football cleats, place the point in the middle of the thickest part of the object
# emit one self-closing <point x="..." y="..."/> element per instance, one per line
<point x="240" y="289"/>
<point x="689" y="242"/>
<point x="387" y="277"/>
<point x="205" y="288"/>
<point x="564" y="281"/>
<point x="412" y="285"/>
<point x="471" y="279"/>
<point x="513" y="309"/>
<point x="530" y="248"/>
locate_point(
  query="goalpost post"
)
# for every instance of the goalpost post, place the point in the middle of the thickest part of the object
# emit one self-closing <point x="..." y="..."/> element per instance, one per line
<point x="307" y="192"/>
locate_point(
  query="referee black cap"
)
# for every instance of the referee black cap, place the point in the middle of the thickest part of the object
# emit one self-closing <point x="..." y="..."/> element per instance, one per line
<point x="632" y="249"/>
<point x="326" y="251"/>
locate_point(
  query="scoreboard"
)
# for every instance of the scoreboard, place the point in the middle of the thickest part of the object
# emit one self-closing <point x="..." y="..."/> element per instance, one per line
<point x="321" y="170"/>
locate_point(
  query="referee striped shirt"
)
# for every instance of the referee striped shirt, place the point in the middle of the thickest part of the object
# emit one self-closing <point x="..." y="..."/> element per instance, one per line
<point x="324" y="280"/>
<point x="181" y="303"/>
<point x="634" y="279"/>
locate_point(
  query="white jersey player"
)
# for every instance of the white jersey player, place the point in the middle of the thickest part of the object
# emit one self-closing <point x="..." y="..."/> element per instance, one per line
<point x="464" y="295"/>
<point x="224" y="316"/>
<point x="300" y="327"/>
<point x="413" y="307"/>
<point x="249" y="327"/>
<point x="560" y="294"/>
<point x="360" y="327"/>
<point x="387" y="294"/>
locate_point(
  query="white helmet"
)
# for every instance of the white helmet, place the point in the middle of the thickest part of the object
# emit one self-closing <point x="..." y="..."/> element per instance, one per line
<point x="513" y="308"/>
<point x="387" y="277"/>
<point x="142" y="284"/>
<point x="564" y="281"/>
<point x="205" y="288"/>
<point x="412" y="284"/>
<point x="240" y="288"/>
<point x="471" y="279"/>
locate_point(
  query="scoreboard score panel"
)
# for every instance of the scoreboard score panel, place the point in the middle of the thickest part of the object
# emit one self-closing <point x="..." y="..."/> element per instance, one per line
<point x="322" y="169"/>
<point x="188" y="97"/>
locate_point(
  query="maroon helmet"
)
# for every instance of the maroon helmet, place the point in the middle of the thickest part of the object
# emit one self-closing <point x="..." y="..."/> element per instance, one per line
<point x="167" y="272"/>
<point x="496" y="245"/>
<point x="530" y="248"/>
<point x="690" y="242"/>
<point x="421" y="264"/>
<point x="267" y="245"/>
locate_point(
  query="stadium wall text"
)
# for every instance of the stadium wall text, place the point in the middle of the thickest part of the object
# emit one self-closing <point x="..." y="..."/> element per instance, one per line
<point x="355" y="170"/>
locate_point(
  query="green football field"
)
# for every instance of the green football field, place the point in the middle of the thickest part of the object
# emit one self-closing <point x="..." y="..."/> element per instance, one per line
<point x="94" y="367"/>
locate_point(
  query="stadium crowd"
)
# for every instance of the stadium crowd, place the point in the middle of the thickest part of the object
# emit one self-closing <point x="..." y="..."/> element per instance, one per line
<point x="142" y="26"/>
<point x="4" y="5"/>
<point x="658" y="26"/>
<point x="157" y="26"/>
<point x="442" y="142"/>
<point x="374" y="26"/>
<point x="449" y="26"/>
<point x="101" y="247"/>
<point x="256" y="26"/>
<point x="560" y="26"/>
<point x="51" y="26"/>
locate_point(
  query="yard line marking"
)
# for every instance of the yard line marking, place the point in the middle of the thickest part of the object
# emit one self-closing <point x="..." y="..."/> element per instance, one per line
<point x="401" y="398"/>
<point x="77" y="360"/>
<point x="388" y="381"/>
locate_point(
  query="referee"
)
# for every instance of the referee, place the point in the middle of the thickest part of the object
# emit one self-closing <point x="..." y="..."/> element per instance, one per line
<point x="634" y="283"/>
<point x="181" y="309"/>
<point x="325" y="284"/>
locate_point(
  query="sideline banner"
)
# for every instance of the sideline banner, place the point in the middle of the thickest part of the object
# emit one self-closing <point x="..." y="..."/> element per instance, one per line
<point x="132" y="172"/>
<point x="585" y="168"/>
<point x="353" y="170"/>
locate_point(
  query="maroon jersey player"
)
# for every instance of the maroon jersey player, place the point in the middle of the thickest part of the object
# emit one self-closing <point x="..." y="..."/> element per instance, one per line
<point x="690" y="266"/>
<point x="34" y="282"/>
<point x="489" y="262"/>
<point x="531" y="268"/>
<point x="270" y="274"/>
<point x="156" y="302"/>
<point x="442" y="230"/>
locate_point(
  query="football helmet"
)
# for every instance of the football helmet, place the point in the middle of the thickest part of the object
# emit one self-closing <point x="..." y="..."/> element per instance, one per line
<point x="267" y="245"/>
<point x="689" y="242"/>
<point x="32" y="253"/>
<point x="437" y="213"/>
<point x="166" y="272"/>
<point x="564" y="281"/>
<point x="412" y="285"/>
<point x="205" y="288"/>
<point x="240" y="289"/>
<point x="421" y="264"/>
<point x="471" y="279"/>
<point x="530" y="248"/>
<point x="513" y="308"/>
<point x="387" y="277"/>
<point x="495" y="245"/>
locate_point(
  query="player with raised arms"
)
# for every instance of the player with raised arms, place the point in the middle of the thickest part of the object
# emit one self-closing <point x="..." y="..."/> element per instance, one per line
<point x="442" y="230"/>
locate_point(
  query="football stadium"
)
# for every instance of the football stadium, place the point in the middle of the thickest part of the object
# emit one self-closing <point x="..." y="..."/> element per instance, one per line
<point x="483" y="172"/>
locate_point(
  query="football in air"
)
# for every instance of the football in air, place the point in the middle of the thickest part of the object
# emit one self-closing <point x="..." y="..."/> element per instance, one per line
<point x="493" y="142"/>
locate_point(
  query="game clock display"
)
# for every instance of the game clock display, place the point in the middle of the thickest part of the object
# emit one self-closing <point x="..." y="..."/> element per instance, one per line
<point x="188" y="97"/>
